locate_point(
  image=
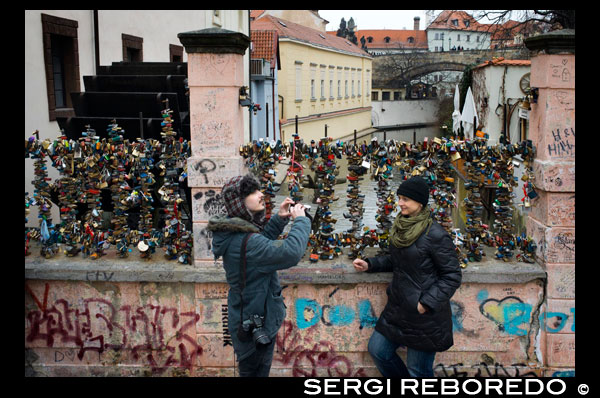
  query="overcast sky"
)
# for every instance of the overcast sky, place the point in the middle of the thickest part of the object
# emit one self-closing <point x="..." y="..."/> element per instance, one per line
<point x="379" y="19"/>
<point x="374" y="19"/>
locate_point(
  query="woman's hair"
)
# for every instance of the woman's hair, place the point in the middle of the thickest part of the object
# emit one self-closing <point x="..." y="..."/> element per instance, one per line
<point x="248" y="185"/>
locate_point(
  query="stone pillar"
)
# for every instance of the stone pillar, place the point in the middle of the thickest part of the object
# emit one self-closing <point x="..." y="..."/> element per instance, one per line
<point x="215" y="75"/>
<point x="551" y="221"/>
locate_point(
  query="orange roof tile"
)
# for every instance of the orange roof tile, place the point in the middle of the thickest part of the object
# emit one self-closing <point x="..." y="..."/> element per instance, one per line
<point x="301" y="33"/>
<point x="264" y="45"/>
<point x="444" y="21"/>
<point x="504" y="62"/>
<point x="256" y="13"/>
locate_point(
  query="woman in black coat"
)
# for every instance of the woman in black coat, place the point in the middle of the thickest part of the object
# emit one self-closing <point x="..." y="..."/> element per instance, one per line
<point x="426" y="273"/>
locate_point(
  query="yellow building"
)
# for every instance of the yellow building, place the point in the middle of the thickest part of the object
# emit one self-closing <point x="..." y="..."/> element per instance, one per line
<point x="324" y="80"/>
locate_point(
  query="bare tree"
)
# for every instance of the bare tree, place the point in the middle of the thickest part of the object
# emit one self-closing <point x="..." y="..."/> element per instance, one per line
<point x="549" y="19"/>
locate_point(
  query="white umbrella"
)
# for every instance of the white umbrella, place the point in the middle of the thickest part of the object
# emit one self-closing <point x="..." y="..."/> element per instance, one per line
<point x="468" y="113"/>
<point x="456" y="113"/>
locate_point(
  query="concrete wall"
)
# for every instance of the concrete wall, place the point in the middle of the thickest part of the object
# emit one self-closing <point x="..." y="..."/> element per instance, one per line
<point x="100" y="326"/>
<point x="552" y="222"/>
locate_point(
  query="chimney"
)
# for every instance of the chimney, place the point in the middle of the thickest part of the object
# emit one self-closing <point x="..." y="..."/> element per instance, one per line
<point x="417" y="19"/>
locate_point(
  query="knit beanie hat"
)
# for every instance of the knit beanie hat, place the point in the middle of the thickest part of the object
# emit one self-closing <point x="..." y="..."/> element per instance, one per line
<point x="416" y="189"/>
<point x="235" y="191"/>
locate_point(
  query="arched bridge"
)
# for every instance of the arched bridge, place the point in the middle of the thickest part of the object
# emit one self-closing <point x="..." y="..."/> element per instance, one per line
<point x="391" y="70"/>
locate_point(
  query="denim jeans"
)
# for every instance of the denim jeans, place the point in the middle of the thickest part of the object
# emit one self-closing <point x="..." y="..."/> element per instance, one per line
<point x="383" y="352"/>
<point x="259" y="363"/>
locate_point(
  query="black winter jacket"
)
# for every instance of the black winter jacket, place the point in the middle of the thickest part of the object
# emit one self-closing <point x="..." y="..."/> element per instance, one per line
<point x="427" y="271"/>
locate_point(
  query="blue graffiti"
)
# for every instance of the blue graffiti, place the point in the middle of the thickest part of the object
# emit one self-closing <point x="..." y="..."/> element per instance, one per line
<point x="516" y="314"/>
<point x="564" y="373"/>
<point x="309" y="312"/>
<point x="558" y="324"/>
<point x="366" y="315"/>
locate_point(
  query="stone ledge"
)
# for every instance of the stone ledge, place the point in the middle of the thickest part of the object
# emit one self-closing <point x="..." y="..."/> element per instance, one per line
<point x="109" y="268"/>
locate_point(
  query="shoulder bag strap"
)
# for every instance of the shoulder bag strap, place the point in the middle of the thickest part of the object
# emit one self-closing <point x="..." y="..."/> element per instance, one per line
<point x="243" y="269"/>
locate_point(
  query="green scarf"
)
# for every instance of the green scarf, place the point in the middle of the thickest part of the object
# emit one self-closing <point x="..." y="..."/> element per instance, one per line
<point x="406" y="230"/>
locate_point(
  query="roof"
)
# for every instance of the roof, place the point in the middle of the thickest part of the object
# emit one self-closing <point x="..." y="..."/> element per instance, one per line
<point x="291" y="30"/>
<point x="397" y="37"/>
<point x="256" y="13"/>
<point x="444" y="21"/>
<point x="504" y="62"/>
<point x="264" y="45"/>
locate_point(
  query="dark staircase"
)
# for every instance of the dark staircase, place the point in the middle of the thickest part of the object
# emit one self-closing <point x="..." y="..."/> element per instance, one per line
<point x="121" y="92"/>
<point x="132" y="93"/>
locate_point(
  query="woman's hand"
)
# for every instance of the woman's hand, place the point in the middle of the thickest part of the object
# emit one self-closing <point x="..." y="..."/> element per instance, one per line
<point x="360" y="265"/>
<point x="421" y="308"/>
<point x="284" y="208"/>
<point x="297" y="211"/>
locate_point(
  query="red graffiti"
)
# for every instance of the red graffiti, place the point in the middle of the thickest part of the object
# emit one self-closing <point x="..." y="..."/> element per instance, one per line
<point x="306" y="357"/>
<point x="98" y="326"/>
<point x="37" y="301"/>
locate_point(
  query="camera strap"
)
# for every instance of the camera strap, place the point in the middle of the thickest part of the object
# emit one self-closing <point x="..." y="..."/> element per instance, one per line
<point x="243" y="269"/>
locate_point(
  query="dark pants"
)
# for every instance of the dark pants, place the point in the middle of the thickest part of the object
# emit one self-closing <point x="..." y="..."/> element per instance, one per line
<point x="259" y="363"/>
<point x="383" y="352"/>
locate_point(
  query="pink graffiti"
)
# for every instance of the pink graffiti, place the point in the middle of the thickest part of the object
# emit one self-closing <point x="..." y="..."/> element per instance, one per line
<point x="306" y="357"/>
<point x="95" y="327"/>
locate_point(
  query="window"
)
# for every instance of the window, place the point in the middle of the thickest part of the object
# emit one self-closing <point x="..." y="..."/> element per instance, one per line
<point x="298" y="81"/>
<point x="346" y="88"/>
<point x="396" y="95"/>
<point x="359" y="90"/>
<point x="477" y="37"/>
<point x="132" y="48"/>
<point x="411" y="40"/>
<point x="468" y="37"/>
<point x="385" y="96"/>
<point x="339" y="82"/>
<point x="387" y="39"/>
<point x="455" y="22"/>
<point x="175" y="53"/>
<point x="322" y="81"/>
<point x="375" y="96"/>
<point x="467" y="23"/>
<point x="313" y="74"/>
<point x="59" y="44"/>
<point x="370" y="39"/>
<point x="458" y="37"/>
<point x="437" y="36"/>
<point x="61" y="62"/>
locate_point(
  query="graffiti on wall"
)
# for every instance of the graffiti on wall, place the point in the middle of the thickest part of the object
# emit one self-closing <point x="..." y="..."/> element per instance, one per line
<point x="482" y="369"/>
<point x="513" y="316"/>
<point x="159" y="335"/>
<point x="309" y="312"/>
<point x="306" y="357"/>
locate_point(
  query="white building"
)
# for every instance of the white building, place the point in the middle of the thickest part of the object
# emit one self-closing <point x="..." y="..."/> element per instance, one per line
<point x="452" y="30"/>
<point x="498" y="87"/>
